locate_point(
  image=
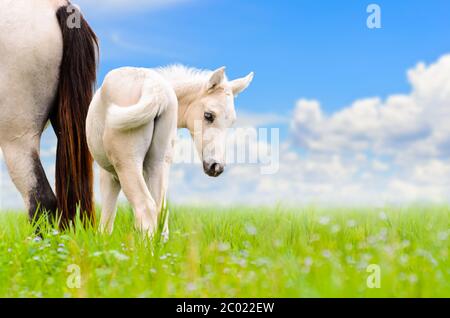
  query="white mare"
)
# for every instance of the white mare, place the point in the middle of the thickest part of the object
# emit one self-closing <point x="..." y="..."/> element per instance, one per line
<point x="47" y="73"/>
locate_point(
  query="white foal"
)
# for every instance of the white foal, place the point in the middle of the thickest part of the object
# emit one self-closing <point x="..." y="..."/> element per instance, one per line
<point x="131" y="131"/>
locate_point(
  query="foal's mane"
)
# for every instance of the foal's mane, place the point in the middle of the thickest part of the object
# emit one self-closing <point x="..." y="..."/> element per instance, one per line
<point x="181" y="73"/>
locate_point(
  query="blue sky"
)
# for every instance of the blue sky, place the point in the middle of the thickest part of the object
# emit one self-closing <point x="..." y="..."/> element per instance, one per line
<point x="363" y="113"/>
<point x="314" y="49"/>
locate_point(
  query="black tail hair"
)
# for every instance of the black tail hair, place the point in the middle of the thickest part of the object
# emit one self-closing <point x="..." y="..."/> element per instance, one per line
<point x="74" y="164"/>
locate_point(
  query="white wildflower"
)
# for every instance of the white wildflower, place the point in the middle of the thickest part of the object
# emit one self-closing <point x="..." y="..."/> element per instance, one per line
<point x="335" y="229"/>
<point x="324" y="220"/>
<point x="223" y="247"/>
<point x="251" y="230"/>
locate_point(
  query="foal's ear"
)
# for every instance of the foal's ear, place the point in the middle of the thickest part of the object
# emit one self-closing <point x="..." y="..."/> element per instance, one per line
<point x="241" y="84"/>
<point x="217" y="78"/>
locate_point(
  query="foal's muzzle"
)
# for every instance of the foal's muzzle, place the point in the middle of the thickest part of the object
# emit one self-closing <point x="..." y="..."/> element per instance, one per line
<point x="213" y="169"/>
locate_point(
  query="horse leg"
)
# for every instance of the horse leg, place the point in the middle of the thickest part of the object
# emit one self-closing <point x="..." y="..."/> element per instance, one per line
<point x="109" y="188"/>
<point x="126" y="152"/>
<point x="137" y="193"/>
<point x="159" y="159"/>
<point x="26" y="171"/>
<point x="156" y="177"/>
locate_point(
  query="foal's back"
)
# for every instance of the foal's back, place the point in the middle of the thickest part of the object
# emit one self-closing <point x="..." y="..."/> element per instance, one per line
<point x="123" y="87"/>
<point x="132" y="94"/>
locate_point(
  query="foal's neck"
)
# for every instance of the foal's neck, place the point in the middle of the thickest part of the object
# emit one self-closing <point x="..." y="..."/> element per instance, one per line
<point x="188" y="85"/>
<point x="186" y="92"/>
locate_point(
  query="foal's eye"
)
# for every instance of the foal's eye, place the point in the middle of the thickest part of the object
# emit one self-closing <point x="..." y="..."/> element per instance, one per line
<point x="209" y="117"/>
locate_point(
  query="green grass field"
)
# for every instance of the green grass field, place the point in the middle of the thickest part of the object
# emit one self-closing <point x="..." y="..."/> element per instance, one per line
<point x="241" y="252"/>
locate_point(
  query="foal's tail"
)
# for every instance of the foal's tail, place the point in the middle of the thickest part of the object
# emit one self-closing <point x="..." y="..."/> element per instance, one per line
<point x="135" y="116"/>
<point x="74" y="171"/>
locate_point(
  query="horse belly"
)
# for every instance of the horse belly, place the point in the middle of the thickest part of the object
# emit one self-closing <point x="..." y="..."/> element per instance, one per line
<point x="30" y="56"/>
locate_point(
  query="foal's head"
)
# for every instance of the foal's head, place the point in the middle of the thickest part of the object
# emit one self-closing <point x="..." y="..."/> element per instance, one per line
<point x="209" y="116"/>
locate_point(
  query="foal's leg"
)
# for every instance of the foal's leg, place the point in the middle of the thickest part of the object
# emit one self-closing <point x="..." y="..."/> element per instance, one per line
<point x="26" y="171"/>
<point x="136" y="191"/>
<point x="156" y="177"/>
<point x="127" y="151"/>
<point x="109" y="188"/>
<point x="159" y="159"/>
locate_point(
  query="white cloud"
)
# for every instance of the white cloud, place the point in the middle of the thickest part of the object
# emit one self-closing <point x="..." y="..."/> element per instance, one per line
<point x="247" y="119"/>
<point x="417" y="123"/>
<point x="406" y="138"/>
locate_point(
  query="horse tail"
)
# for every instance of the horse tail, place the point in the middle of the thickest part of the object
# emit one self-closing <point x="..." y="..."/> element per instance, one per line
<point x="74" y="164"/>
<point x="135" y="116"/>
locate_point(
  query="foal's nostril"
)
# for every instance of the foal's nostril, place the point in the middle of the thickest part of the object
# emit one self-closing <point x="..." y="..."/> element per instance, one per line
<point x="217" y="168"/>
<point x="213" y="170"/>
